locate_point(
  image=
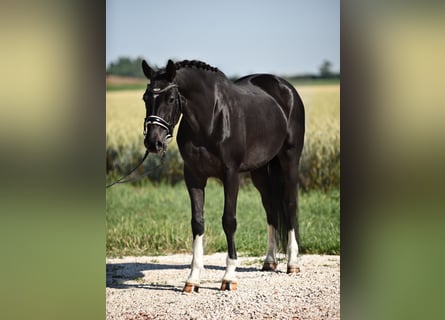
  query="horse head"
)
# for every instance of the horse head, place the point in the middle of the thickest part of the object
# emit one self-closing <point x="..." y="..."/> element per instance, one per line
<point x="163" y="106"/>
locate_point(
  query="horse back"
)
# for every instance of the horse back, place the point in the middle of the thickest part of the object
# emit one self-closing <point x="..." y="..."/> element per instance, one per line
<point x="287" y="98"/>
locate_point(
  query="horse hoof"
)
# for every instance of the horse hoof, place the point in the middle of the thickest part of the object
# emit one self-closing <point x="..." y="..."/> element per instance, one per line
<point x="229" y="285"/>
<point x="293" y="269"/>
<point x="269" y="266"/>
<point x="190" y="287"/>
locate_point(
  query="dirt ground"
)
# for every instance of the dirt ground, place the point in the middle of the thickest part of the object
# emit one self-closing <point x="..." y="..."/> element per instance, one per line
<point x="151" y="288"/>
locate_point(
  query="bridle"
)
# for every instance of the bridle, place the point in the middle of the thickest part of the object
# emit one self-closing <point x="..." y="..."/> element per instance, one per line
<point x="158" y="121"/>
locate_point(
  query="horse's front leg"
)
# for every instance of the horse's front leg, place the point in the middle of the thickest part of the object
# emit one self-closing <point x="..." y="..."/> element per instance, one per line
<point x="195" y="186"/>
<point x="231" y="186"/>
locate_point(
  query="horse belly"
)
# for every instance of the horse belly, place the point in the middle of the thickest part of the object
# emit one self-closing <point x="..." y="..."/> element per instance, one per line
<point x="264" y="141"/>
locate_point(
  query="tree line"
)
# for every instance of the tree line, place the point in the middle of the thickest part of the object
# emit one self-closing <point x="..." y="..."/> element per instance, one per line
<point x="128" y="67"/>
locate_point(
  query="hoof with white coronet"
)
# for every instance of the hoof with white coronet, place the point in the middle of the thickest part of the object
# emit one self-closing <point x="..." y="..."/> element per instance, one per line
<point x="293" y="269"/>
<point x="269" y="266"/>
<point x="229" y="285"/>
<point x="190" y="287"/>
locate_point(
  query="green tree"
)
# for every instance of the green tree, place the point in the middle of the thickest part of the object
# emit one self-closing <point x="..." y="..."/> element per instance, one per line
<point x="125" y="66"/>
<point x="325" y="69"/>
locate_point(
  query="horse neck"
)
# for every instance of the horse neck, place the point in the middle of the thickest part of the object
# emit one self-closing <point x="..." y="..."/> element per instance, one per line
<point x="198" y="88"/>
<point x="196" y="81"/>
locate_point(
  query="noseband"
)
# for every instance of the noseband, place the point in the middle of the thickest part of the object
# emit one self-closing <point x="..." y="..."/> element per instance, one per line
<point x="158" y="121"/>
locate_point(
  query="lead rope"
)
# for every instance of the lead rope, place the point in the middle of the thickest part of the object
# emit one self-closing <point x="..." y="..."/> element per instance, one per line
<point x="118" y="181"/>
<point x="154" y="120"/>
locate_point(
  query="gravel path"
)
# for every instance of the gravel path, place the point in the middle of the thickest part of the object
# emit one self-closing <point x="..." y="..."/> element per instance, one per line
<point x="145" y="288"/>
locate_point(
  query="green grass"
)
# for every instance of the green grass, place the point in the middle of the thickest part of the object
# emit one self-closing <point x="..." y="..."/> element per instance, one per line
<point x="155" y="220"/>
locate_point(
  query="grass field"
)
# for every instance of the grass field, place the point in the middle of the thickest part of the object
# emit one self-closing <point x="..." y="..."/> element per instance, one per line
<point x="155" y="219"/>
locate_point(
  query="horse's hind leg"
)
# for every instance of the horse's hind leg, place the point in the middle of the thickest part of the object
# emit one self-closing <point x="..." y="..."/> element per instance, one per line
<point x="289" y="160"/>
<point x="262" y="182"/>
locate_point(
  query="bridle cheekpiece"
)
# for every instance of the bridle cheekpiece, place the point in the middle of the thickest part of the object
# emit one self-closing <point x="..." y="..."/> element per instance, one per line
<point x="156" y="120"/>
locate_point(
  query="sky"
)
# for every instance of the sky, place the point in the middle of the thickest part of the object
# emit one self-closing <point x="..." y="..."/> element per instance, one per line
<point x="238" y="36"/>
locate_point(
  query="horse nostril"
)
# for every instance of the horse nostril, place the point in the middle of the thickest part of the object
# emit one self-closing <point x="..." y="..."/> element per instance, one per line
<point x="154" y="145"/>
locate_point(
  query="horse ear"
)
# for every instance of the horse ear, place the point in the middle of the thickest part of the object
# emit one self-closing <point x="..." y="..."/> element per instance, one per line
<point x="149" y="72"/>
<point x="170" y="70"/>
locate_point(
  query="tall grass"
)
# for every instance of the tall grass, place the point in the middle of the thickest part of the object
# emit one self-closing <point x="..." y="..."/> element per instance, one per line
<point x="319" y="166"/>
<point x="320" y="163"/>
<point x="155" y="219"/>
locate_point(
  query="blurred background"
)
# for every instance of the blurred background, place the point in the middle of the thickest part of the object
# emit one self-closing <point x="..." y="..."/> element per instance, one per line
<point x="297" y="40"/>
<point x="54" y="59"/>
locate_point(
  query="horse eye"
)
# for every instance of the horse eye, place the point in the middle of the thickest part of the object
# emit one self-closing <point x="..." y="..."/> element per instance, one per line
<point x="171" y="100"/>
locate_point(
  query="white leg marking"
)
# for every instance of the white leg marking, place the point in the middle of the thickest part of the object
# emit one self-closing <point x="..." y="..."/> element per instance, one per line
<point x="197" y="262"/>
<point x="230" y="269"/>
<point x="292" y="249"/>
<point x="271" y="245"/>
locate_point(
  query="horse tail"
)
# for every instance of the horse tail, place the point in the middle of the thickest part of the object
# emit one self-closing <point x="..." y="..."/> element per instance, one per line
<point x="283" y="225"/>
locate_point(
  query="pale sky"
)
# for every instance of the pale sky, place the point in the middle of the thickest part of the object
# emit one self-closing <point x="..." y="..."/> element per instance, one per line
<point x="237" y="36"/>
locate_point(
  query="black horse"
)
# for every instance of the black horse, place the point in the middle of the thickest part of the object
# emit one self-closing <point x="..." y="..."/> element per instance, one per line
<point x="254" y="124"/>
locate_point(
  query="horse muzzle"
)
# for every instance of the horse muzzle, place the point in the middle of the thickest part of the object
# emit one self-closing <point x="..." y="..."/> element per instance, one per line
<point x="158" y="133"/>
<point x="155" y="145"/>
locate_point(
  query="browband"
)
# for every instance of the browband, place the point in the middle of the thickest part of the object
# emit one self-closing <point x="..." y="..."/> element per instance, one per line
<point x="159" y="90"/>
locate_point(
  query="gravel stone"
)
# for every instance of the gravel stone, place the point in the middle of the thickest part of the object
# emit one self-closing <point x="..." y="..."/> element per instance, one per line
<point x="145" y="288"/>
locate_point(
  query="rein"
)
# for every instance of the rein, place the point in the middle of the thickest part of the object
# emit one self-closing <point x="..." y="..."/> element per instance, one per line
<point x="120" y="180"/>
<point x="152" y="120"/>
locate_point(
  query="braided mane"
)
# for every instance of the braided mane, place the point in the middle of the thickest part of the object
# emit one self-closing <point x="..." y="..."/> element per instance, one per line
<point x="196" y="64"/>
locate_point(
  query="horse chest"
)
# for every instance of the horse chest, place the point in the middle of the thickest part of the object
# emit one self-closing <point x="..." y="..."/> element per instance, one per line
<point x="201" y="159"/>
